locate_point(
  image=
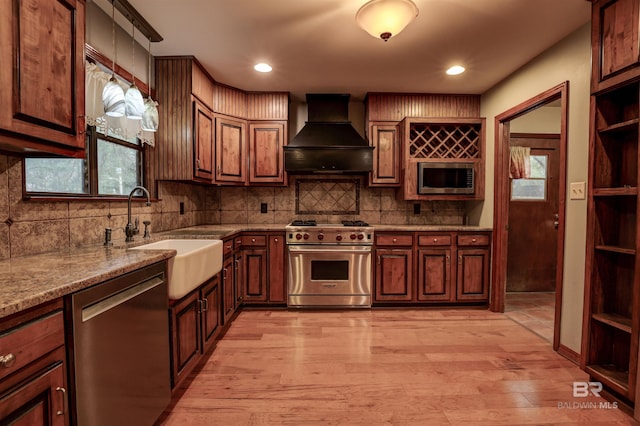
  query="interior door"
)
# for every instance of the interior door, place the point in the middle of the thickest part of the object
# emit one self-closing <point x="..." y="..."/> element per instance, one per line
<point x="533" y="220"/>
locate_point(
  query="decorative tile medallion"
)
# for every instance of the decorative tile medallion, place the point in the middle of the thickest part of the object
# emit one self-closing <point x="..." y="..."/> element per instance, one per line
<point x="328" y="196"/>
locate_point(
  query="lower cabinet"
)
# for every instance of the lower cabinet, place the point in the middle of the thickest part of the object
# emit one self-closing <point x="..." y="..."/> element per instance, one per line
<point x="432" y="267"/>
<point x="33" y="388"/>
<point x="228" y="288"/>
<point x="262" y="265"/>
<point x="195" y="324"/>
<point x="277" y="269"/>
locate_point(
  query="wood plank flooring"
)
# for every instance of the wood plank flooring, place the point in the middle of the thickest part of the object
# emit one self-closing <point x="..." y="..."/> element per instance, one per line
<point x="385" y="367"/>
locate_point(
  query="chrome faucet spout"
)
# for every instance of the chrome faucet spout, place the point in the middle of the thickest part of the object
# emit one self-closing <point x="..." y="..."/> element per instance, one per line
<point x="130" y="230"/>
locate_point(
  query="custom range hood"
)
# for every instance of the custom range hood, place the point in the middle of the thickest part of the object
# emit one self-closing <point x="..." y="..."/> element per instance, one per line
<point x="328" y="143"/>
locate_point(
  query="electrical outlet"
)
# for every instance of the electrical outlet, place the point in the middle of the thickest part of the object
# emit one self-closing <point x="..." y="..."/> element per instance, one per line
<point x="263" y="207"/>
<point x="576" y="191"/>
<point x="181" y="207"/>
<point x="416" y="208"/>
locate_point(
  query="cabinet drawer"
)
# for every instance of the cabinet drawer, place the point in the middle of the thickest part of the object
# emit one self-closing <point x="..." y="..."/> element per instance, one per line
<point x="434" y="240"/>
<point x="473" y="240"/>
<point x="30" y="341"/>
<point x="254" y="241"/>
<point x="394" y="240"/>
<point x="227" y="247"/>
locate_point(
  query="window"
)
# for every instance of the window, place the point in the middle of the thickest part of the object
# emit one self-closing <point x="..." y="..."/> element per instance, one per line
<point x="533" y="188"/>
<point x="111" y="168"/>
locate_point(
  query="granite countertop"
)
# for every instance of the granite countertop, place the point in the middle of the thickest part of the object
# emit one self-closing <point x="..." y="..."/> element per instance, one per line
<point x="28" y="281"/>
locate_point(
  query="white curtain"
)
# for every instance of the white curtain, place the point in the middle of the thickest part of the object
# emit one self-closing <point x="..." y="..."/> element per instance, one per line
<point x="95" y="80"/>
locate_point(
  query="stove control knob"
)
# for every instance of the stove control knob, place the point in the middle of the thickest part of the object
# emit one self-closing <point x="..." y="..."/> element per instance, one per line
<point x="360" y="236"/>
<point x="352" y="236"/>
<point x="306" y="236"/>
<point x="321" y="236"/>
<point x="298" y="236"/>
<point x="338" y="237"/>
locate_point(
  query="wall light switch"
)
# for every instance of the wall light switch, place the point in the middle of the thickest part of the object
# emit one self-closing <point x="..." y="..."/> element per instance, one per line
<point x="576" y="191"/>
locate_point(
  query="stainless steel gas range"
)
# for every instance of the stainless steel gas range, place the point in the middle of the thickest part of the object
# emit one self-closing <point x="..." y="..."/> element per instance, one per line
<point x="329" y="264"/>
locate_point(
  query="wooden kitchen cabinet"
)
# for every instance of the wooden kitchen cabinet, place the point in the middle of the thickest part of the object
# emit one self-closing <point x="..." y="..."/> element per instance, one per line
<point x="42" y="76"/>
<point x="184" y="149"/>
<point x="228" y="289"/>
<point x="195" y="324"/>
<point x="203" y="129"/>
<point x="472" y="277"/>
<point x="394" y="267"/>
<point x="386" y="155"/>
<point x="266" y="153"/>
<point x="230" y="150"/>
<point x="33" y="388"/>
<point x="277" y="269"/>
<point x="434" y="268"/>
<point x="615" y="49"/>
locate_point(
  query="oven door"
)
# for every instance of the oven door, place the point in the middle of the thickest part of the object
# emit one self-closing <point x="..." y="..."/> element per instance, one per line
<point x="329" y="275"/>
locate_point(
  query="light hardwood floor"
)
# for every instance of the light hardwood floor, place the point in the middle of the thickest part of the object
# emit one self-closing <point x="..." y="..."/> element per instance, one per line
<point x="385" y="367"/>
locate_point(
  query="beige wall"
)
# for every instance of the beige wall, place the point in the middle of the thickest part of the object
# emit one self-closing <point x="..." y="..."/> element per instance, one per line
<point x="569" y="60"/>
<point x="545" y="119"/>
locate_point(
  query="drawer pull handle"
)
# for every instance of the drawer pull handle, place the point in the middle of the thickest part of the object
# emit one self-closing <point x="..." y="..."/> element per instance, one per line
<point x="435" y="240"/>
<point x="395" y="240"/>
<point x="473" y="240"/>
<point x="253" y="240"/>
<point x="8" y="360"/>
<point x="63" y="391"/>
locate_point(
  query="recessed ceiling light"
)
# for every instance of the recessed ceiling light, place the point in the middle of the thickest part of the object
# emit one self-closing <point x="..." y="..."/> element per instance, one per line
<point x="455" y="70"/>
<point x="262" y="67"/>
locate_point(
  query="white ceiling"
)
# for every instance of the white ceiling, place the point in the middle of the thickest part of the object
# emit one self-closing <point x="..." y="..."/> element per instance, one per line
<point x="315" y="46"/>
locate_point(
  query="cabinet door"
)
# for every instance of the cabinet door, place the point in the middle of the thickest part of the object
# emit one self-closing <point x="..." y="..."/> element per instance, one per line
<point x="254" y="273"/>
<point x="230" y="147"/>
<point x="238" y="279"/>
<point x="615" y="25"/>
<point x="386" y="155"/>
<point x="434" y="277"/>
<point x="42" y="74"/>
<point x="41" y="400"/>
<point x="394" y="275"/>
<point x="228" y="289"/>
<point x="277" y="285"/>
<point x="211" y="318"/>
<point x="203" y="140"/>
<point x="185" y="334"/>
<point x="473" y="275"/>
<point x="266" y="156"/>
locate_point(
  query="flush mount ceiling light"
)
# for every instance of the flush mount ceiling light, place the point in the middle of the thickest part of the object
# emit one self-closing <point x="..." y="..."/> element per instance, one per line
<point x="386" y="18"/>
<point x="455" y="70"/>
<point x="133" y="102"/>
<point x="112" y="94"/>
<point x="262" y="67"/>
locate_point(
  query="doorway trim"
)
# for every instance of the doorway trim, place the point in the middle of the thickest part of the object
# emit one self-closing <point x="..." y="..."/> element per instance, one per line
<point x="501" y="198"/>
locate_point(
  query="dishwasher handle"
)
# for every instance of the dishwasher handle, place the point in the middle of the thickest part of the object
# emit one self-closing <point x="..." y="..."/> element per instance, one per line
<point x="119" y="298"/>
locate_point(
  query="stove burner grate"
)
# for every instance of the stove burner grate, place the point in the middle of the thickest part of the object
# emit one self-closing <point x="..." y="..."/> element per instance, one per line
<point x="354" y="223"/>
<point x="308" y="222"/>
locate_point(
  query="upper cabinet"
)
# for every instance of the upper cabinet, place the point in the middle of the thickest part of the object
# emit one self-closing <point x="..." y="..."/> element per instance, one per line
<point x="213" y="133"/>
<point x="614" y="42"/>
<point x="409" y="129"/>
<point x="42" y="76"/>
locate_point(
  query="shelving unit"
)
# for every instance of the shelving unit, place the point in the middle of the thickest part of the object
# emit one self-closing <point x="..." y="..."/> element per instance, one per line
<point x="610" y="335"/>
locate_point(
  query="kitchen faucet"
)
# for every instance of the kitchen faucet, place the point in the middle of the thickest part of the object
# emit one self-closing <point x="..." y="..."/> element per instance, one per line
<point x="130" y="230"/>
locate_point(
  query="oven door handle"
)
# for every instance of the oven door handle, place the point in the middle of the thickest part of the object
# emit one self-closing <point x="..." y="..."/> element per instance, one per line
<point x="331" y="249"/>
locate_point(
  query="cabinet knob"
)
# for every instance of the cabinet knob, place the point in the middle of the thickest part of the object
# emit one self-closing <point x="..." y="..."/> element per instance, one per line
<point x="253" y="240"/>
<point x="395" y="240"/>
<point x="275" y="239"/>
<point x="8" y="360"/>
<point x="473" y="240"/>
<point x="435" y="240"/>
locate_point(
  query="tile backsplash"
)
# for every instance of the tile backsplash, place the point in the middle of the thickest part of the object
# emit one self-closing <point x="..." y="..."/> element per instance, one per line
<point x="37" y="226"/>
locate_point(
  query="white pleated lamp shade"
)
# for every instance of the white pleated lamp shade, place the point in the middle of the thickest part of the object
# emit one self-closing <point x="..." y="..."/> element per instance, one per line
<point x="113" y="99"/>
<point x="150" y="117"/>
<point x="134" y="104"/>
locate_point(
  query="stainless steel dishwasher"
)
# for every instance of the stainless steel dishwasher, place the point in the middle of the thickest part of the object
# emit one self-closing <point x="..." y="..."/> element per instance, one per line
<point x="121" y="349"/>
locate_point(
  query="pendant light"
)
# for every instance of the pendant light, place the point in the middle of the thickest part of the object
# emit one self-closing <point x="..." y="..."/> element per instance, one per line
<point x="386" y="18"/>
<point x="150" y="117"/>
<point x="112" y="94"/>
<point x="133" y="102"/>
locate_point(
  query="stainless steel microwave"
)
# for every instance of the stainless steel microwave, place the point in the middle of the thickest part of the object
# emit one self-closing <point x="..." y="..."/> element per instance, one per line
<point x="446" y="178"/>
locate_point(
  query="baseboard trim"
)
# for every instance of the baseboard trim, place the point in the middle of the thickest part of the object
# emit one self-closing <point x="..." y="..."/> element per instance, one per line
<point x="569" y="354"/>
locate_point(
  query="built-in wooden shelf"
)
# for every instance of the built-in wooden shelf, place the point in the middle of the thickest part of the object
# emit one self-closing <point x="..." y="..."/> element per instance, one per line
<point x="621" y="127"/>
<point x="616" y="249"/>
<point x="610" y="375"/>
<point x="615" y="192"/>
<point x="614" y="320"/>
